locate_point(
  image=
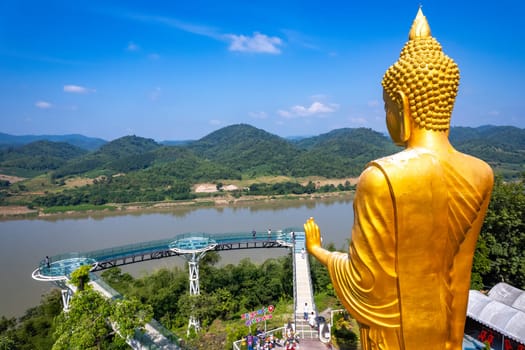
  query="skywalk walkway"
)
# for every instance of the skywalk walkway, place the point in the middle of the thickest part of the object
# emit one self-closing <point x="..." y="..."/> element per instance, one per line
<point x="155" y="336"/>
<point x="61" y="266"/>
<point x="303" y="289"/>
<point x="57" y="269"/>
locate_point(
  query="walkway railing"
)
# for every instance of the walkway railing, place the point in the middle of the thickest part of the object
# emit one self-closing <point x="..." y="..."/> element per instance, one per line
<point x="155" y="336"/>
<point x="60" y="266"/>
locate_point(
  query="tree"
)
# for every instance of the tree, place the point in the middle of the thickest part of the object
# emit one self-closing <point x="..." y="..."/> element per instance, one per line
<point x="88" y="323"/>
<point x="34" y="330"/>
<point x="130" y="315"/>
<point x="85" y="325"/>
<point x="320" y="277"/>
<point x="80" y="277"/>
<point x="503" y="234"/>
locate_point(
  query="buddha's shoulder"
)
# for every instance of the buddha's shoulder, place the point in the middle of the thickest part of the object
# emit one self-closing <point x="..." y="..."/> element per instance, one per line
<point x="473" y="168"/>
<point x="414" y="162"/>
<point x="425" y="156"/>
<point x="404" y="158"/>
<point x="467" y="160"/>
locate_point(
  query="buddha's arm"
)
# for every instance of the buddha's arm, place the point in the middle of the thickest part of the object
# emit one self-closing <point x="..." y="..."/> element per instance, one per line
<point x="461" y="276"/>
<point x="365" y="278"/>
<point x="313" y="241"/>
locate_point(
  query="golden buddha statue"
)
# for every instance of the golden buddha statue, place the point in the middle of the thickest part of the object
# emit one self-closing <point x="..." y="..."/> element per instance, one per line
<point x="417" y="214"/>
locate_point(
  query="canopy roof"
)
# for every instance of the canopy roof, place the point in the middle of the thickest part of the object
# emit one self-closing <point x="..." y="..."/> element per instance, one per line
<point x="503" y="310"/>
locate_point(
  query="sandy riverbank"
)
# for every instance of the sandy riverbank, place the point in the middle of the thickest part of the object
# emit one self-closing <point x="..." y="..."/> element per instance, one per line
<point x="214" y="198"/>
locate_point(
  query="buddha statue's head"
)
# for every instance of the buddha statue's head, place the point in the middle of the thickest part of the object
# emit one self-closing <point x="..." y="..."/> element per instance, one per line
<point x="423" y="83"/>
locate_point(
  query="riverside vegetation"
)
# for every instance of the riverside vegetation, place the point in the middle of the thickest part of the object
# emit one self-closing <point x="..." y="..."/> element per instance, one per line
<point x="499" y="255"/>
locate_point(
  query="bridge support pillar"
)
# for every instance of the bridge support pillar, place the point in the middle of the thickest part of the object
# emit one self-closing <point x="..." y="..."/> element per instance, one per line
<point x="193" y="267"/>
<point x="66" y="298"/>
<point x="67" y="291"/>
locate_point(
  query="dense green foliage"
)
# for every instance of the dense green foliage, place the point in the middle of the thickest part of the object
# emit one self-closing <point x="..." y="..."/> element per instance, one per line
<point x="80" y="277"/>
<point x="225" y="293"/>
<point x="248" y="150"/>
<point x="81" y="141"/>
<point x="135" y="169"/>
<point x="500" y="254"/>
<point x="34" y="330"/>
<point x="320" y="277"/>
<point x="341" y="153"/>
<point x="91" y="319"/>
<point x="121" y="155"/>
<point x="87" y="324"/>
<point x="39" y="155"/>
<point x="253" y="152"/>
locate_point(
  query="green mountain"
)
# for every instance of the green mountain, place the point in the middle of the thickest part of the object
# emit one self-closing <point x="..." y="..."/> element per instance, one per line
<point x="341" y="152"/>
<point x="84" y="142"/>
<point x="242" y="149"/>
<point x="124" y="154"/>
<point x="247" y="149"/>
<point x="136" y="169"/>
<point x="38" y="156"/>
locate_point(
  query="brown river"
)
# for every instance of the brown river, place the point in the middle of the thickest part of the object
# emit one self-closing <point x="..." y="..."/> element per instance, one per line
<point x="24" y="242"/>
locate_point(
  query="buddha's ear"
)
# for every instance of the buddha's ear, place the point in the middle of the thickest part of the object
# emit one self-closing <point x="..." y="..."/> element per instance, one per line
<point x="406" y="119"/>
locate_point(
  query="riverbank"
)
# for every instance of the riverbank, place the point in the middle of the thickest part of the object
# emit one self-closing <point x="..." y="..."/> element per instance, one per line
<point x="207" y="195"/>
<point x="220" y="199"/>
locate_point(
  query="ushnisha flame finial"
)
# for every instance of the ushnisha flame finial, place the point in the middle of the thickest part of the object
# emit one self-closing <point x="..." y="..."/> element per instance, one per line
<point x="420" y="27"/>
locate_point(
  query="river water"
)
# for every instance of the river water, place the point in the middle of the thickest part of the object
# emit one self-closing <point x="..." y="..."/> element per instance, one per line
<point x="23" y="243"/>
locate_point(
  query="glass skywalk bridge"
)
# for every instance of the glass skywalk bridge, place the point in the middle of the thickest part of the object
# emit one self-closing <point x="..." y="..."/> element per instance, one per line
<point x="61" y="266"/>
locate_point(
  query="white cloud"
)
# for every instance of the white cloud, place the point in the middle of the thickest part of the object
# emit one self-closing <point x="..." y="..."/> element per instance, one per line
<point x="43" y="105"/>
<point x="258" y="115"/>
<point x="77" y="89"/>
<point x="215" y="122"/>
<point x="132" y="46"/>
<point x="153" y="56"/>
<point x="316" y="108"/>
<point x="259" y="43"/>
<point x="494" y="113"/>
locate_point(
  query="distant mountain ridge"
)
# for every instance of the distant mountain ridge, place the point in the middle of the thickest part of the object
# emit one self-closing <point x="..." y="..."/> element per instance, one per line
<point x="81" y="141"/>
<point x="243" y="149"/>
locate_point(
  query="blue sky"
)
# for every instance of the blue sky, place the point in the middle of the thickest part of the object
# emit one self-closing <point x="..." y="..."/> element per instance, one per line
<point x="177" y="70"/>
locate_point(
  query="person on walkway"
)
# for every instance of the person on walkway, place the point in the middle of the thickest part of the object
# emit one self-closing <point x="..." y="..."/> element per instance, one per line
<point x="249" y="341"/>
<point x="305" y="311"/>
<point x="311" y="320"/>
<point x="254" y="233"/>
<point x="269" y="233"/>
<point x="48" y="264"/>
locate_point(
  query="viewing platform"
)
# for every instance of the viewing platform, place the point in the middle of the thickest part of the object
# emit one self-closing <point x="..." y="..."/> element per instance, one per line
<point x="61" y="266"/>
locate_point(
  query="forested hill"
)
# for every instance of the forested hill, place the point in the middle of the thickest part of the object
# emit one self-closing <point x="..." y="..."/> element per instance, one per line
<point x="243" y="150"/>
<point x="81" y="141"/>
<point x="247" y="149"/>
<point x="39" y="156"/>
